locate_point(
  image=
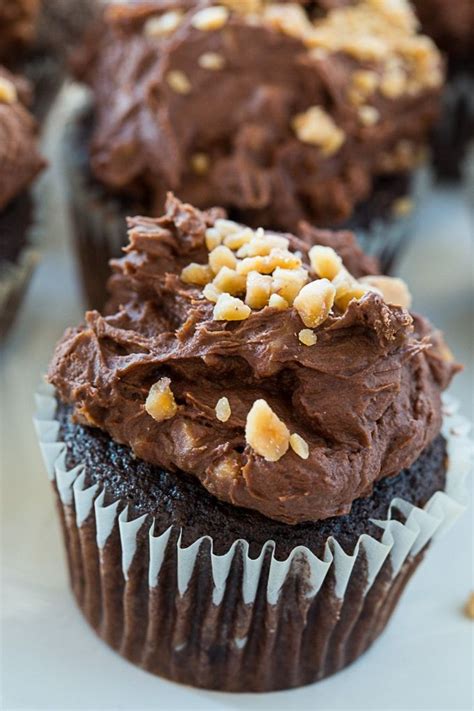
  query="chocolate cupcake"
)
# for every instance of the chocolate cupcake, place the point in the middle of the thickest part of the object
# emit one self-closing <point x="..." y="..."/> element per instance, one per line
<point x="35" y="39"/>
<point x="279" y="113"/>
<point x="246" y="452"/>
<point x="20" y="163"/>
<point x="451" y="25"/>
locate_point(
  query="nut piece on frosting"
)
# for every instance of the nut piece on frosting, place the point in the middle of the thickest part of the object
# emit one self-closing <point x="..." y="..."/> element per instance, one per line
<point x="229" y="308"/>
<point x="325" y="261"/>
<point x="299" y="446"/>
<point x="8" y="93"/>
<point x="317" y="128"/>
<point x="394" y="290"/>
<point x="307" y="337"/>
<point x="266" y="433"/>
<point x="223" y="411"/>
<point x="160" y="402"/>
<point x="315" y="301"/>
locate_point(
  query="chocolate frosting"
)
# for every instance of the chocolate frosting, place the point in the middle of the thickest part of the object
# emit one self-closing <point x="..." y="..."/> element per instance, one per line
<point x="17" y="26"/>
<point x="450" y="24"/>
<point x="20" y="160"/>
<point x="241" y="116"/>
<point x="365" y="397"/>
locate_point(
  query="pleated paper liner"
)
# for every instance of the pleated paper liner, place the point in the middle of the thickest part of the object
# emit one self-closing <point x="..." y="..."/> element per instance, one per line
<point x="383" y="224"/>
<point x="22" y="223"/>
<point x="232" y="622"/>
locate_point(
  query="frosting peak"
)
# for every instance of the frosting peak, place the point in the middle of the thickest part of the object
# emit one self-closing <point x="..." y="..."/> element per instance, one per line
<point x="293" y="421"/>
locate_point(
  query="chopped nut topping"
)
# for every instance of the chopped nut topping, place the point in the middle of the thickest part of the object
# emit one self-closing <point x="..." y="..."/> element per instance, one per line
<point x="238" y="239"/>
<point x="178" y="81"/>
<point x="229" y="308"/>
<point x="365" y="81"/>
<point x="228" y="281"/>
<point x="394" y="290"/>
<point x="315" y="301"/>
<point x="160" y="403"/>
<point x="299" y="446"/>
<point x="369" y="115"/>
<point x="223" y="411"/>
<point x="393" y="84"/>
<point x="200" y="163"/>
<point x="211" y="292"/>
<point x="266" y="433"/>
<point x="211" y="18"/>
<point x="469" y="607"/>
<point x="307" y="337"/>
<point x="259" y="288"/>
<point x="289" y="18"/>
<point x="220" y="257"/>
<point x="266" y="265"/>
<point x="199" y="274"/>
<point x="278" y="302"/>
<point x="227" y="227"/>
<point x="325" y="261"/>
<point x="163" y="25"/>
<point x="8" y="93"/>
<point x="316" y="127"/>
<point x="213" y="238"/>
<point x="212" y="61"/>
<point x="261" y="246"/>
<point x="228" y="467"/>
<point x="289" y="282"/>
<point x="355" y="292"/>
<point x="403" y="206"/>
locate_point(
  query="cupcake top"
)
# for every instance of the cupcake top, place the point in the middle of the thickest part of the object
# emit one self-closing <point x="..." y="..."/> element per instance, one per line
<point x="17" y="26"/>
<point x="279" y="110"/>
<point x="257" y="363"/>
<point x="20" y="160"/>
<point x="450" y="24"/>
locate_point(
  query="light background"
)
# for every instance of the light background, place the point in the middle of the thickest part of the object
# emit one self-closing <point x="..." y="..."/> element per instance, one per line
<point x="52" y="660"/>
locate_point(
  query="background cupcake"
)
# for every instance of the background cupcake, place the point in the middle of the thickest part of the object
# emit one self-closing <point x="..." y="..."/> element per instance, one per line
<point x="198" y="406"/>
<point x="451" y="25"/>
<point x="322" y="117"/>
<point x="35" y="39"/>
<point x="20" y="163"/>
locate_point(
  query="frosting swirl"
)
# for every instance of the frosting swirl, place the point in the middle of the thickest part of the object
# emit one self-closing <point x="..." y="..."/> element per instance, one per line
<point x="20" y="160"/>
<point x="363" y="397"/>
<point x="273" y="112"/>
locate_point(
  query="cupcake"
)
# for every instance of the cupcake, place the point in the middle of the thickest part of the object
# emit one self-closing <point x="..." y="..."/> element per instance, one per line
<point x="20" y="163"/>
<point x="246" y="452"/>
<point x="35" y="38"/>
<point x="277" y="112"/>
<point x="451" y="25"/>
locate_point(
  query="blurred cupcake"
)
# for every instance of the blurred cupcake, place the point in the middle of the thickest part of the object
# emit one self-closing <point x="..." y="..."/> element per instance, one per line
<point x="20" y="163"/>
<point x="246" y="452"/>
<point x="35" y="39"/>
<point x="274" y="111"/>
<point x="451" y="25"/>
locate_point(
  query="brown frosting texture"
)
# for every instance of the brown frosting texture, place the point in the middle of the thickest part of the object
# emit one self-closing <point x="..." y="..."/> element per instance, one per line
<point x="20" y="160"/>
<point x="276" y="113"/>
<point x="17" y="26"/>
<point x="364" y="397"/>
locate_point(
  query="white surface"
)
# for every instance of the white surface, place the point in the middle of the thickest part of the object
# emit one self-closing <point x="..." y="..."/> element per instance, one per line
<point x="52" y="660"/>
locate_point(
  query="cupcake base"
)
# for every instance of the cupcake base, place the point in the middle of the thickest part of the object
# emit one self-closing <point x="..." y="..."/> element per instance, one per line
<point x="382" y="224"/>
<point x="205" y="594"/>
<point x="17" y="258"/>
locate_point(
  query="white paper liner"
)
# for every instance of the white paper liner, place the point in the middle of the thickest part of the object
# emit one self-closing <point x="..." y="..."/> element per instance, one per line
<point x="399" y="540"/>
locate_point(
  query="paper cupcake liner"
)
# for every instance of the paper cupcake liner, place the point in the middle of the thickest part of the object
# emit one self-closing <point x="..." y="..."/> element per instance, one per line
<point x="232" y="622"/>
<point x="453" y="137"/>
<point x="25" y="223"/>
<point x="14" y="282"/>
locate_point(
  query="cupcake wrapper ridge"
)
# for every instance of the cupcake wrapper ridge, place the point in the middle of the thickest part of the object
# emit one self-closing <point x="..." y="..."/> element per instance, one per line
<point x="232" y="622"/>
